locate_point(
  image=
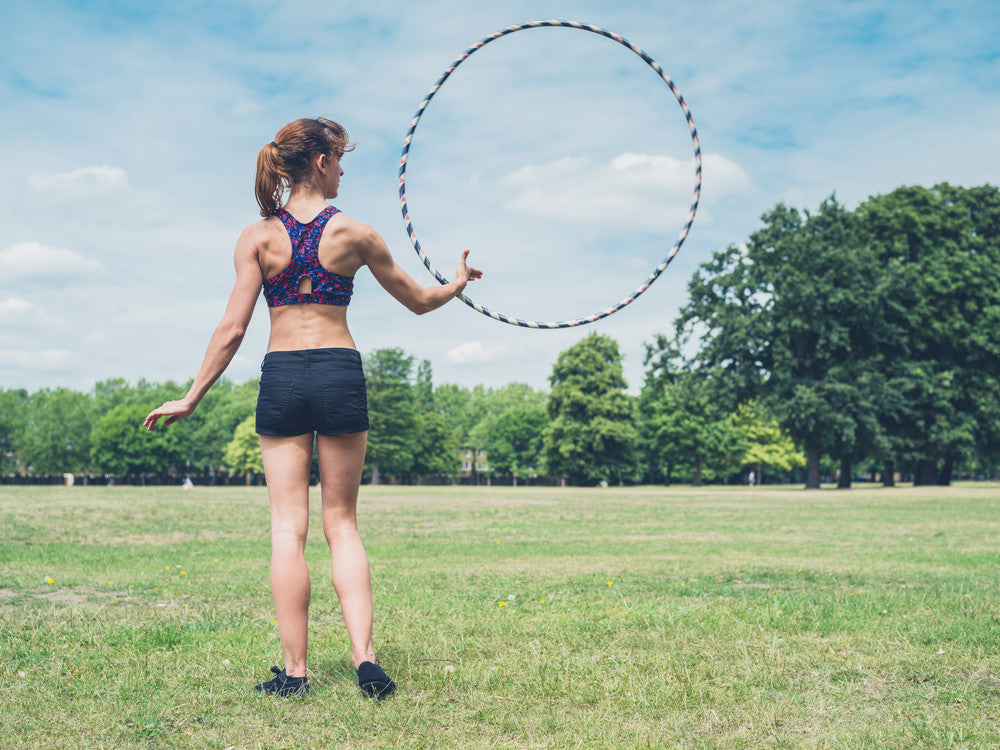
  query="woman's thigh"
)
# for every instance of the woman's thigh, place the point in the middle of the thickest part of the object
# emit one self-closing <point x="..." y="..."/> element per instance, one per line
<point x="341" y="461"/>
<point x="287" y="461"/>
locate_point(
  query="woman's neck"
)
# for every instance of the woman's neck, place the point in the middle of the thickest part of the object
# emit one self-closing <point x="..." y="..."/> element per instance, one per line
<point x="305" y="199"/>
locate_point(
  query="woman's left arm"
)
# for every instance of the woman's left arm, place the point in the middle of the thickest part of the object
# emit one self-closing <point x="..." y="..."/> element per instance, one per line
<point x="227" y="337"/>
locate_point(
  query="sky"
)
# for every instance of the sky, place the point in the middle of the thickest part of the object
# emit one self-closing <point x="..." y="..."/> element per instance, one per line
<point x="129" y="132"/>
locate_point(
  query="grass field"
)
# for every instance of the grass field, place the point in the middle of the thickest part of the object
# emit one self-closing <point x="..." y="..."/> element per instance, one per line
<point x="632" y="618"/>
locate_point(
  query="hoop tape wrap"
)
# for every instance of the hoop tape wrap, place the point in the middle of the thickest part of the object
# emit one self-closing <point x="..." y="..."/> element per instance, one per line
<point x="656" y="272"/>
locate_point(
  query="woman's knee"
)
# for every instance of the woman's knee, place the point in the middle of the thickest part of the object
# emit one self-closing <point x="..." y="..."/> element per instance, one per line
<point x="289" y="531"/>
<point x="340" y="529"/>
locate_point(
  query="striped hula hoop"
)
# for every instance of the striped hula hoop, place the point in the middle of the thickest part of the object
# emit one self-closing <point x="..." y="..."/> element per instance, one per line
<point x="656" y="272"/>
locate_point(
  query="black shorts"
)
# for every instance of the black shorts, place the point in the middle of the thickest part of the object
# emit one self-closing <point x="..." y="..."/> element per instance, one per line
<point x="312" y="390"/>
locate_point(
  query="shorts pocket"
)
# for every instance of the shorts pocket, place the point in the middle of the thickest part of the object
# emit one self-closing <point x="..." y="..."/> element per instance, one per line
<point x="344" y="408"/>
<point x="272" y="403"/>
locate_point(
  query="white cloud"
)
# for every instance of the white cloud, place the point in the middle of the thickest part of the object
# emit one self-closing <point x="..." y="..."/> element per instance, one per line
<point x="13" y="308"/>
<point x="33" y="259"/>
<point x="646" y="190"/>
<point x="83" y="181"/>
<point x="42" y="359"/>
<point x="474" y="352"/>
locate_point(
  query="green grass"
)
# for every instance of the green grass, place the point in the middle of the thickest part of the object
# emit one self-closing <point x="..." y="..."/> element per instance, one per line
<point x="633" y="618"/>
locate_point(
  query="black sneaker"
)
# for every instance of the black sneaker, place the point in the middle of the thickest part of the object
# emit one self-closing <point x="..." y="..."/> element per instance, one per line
<point x="374" y="681"/>
<point x="282" y="685"/>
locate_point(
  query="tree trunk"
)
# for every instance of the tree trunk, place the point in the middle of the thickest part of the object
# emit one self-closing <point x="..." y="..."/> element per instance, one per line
<point x="375" y="476"/>
<point x="515" y="479"/>
<point x="844" y="481"/>
<point x="944" y="478"/>
<point x="666" y="481"/>
<point x="697" y="472"/>
<point x="812" y="466"/>
<point x="889" y="474"/>
<point x="924" y="474"/>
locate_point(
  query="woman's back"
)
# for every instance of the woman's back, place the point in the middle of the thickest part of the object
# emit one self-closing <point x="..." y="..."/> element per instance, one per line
<point x="297" y="322"/>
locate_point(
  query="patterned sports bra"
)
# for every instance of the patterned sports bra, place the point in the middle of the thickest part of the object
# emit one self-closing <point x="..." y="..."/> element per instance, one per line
<point x="328" y="288"/>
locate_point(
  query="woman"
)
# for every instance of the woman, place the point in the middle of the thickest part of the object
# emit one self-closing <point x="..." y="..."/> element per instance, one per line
<point x="304" y="255"/>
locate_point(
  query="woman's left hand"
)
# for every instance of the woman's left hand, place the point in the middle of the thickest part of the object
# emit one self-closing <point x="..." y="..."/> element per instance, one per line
<point x="466" y="273"/>
<point x="172" y="410"/>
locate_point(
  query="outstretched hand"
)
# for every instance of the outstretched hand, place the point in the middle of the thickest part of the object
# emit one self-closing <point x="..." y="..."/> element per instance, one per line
<point x="466" y="273"/>
<point x="172" y="410"/>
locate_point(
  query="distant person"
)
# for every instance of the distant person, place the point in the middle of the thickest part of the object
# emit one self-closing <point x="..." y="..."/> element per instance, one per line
<point x="751" y="477"/>
<point x="304" y="254"/>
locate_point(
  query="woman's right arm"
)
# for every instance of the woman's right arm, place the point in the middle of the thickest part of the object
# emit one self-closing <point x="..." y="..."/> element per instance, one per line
<point x="419" y="299"/>
<point x="228" y="335"/>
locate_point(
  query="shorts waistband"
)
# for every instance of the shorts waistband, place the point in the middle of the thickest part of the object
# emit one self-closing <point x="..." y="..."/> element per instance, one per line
<point x="304" y="357"/>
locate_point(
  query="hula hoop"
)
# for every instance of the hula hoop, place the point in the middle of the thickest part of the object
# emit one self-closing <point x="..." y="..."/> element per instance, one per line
<point x="656" y="272"/>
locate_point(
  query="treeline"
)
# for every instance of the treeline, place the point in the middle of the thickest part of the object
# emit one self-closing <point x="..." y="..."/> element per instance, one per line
<point x="584" y="431"/>
<point x="833" y="344"/>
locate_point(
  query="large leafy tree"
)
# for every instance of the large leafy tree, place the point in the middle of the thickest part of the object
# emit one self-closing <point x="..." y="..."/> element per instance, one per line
<point x="392" y="440"/>
<point x="591" y="435"/>
<point x="940" y="249"/>
<point x="793" y="319"/>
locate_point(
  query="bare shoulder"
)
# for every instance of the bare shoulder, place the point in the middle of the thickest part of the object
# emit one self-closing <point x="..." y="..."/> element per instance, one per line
<point x="260" y="236"/>
<point x="352" y="228"/>
<point x="360" y="236"/>
<point x="262" y="230"/>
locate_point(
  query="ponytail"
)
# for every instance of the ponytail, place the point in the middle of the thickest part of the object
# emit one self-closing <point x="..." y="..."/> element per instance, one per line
<point x="287" y="160"/>
<point x="271" y="179"/>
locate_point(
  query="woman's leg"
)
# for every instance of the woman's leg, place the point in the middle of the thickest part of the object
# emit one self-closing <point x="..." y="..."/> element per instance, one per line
<point x="341" y="460"/>
<point x="286" y="467"/>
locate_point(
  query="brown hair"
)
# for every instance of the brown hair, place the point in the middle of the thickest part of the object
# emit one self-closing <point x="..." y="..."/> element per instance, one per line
<point x="287" y="160"/>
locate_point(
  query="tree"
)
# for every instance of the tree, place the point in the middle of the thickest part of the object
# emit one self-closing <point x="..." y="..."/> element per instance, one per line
<point x="121" y="446"/>
<point x="436" y="451"/>
<point x="794" y="319"/>
<point x="683" y="421"/>
<point x="940" y="249"/>
<point x="13" y="420"/>
<point x="515" y="442"/>
<point x="207" y="434"/>
<point x="243" y="451"/>
<point x="392" y="440"/>
<point x="767" y="445"/>
<point x="56" y="438"/>
<point x="591" y="434"/>
<point x="423" y="388"/>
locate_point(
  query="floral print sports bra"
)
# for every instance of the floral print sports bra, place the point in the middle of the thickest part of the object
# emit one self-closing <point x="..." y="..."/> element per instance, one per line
<point x="328" y="288"/>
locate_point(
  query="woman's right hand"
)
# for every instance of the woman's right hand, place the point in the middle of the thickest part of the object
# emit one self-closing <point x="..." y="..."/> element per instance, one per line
<point x="172" y="410"/>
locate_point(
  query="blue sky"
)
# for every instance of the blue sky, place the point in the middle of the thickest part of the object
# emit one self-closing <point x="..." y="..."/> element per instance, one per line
<point x="129" y="132"/>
